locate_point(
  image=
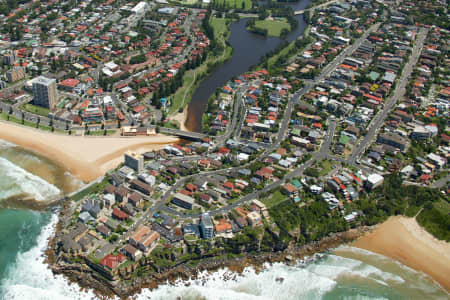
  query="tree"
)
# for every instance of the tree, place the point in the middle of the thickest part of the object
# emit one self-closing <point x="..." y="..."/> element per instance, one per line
<point x="113" y="238"/>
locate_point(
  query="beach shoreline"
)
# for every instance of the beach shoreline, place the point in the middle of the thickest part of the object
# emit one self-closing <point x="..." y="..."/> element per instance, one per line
<point x="85" y="157"/>
<point x="403" y="239"/>
<point x="87" y="278"/>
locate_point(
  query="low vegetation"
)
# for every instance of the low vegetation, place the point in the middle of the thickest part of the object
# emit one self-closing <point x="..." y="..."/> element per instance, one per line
<point x="279" y="27"/>
<point x="220" y="51"/>
<point x="229" y="4"/>
<point x="38" y="110"/>
<point x="434" y="218"/>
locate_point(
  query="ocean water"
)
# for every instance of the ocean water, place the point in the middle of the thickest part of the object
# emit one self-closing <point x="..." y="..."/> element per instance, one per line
<point x="346" y="273"/>
<point x="30" y="180"/>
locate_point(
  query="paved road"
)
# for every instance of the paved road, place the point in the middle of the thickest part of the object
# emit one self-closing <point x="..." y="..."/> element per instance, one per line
<point x="390" y="103"/>
<point x="317" y="156"/>
<point x="321" y="154"/>
<point x="238" y="103"/>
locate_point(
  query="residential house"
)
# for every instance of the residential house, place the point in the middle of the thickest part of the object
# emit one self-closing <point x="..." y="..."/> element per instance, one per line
<point x="144" y="239"/>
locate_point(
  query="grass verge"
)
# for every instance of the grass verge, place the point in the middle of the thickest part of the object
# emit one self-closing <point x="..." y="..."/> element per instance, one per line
<point x="192" y="78"/>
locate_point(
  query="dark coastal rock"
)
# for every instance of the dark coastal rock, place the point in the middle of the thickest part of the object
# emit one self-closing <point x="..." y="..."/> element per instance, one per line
<point x="86" y="277"/>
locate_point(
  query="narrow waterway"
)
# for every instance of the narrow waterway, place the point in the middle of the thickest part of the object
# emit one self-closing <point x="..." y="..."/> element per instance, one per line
<point x="248" y="49"/>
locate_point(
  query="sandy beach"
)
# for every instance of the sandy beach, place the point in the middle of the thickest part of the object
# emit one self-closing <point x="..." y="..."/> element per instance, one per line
<point x="85" y="157"/>
<point x="181" y="118"/>
<point x="403" y="239"/>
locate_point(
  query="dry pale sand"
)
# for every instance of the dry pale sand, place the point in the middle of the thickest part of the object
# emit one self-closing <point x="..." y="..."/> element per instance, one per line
<point x="181" y="118"/>
<point x="85" y="157"/>
<point x="403" y="239"/>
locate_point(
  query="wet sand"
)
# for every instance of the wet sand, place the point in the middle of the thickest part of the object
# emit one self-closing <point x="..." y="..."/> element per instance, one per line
<point x="404" y="240"/>
<point x="85" y="157"/>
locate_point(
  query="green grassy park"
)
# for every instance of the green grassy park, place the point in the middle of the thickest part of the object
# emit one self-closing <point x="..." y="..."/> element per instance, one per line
<point x="274" y="27"/>
<point x="42" y="111"/>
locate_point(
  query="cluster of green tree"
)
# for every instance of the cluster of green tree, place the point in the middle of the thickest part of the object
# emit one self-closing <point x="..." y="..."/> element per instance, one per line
<point x="436" y="17"/>
<point x="435" y="222"/>
<point x="315" y="221"/>
<point x="252" y="28"/>
<point x="211" y="107"/>
<point x="138" y="59"/>
<point x="306" y="224"/>
<point x="393" y="198"/>
<point x="9" y="5"/>
<point x="278" y="66"/>
<point x="246" y="241"/>
<point x="14" y="31"/>
<point x="207" y="28"/>
<point x="226" y="5"/>
<point x="171" y="86"/>
<point x="215" y="47"/>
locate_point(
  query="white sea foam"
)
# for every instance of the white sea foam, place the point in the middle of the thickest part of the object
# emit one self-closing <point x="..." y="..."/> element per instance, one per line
<point x="278" y="281"/>
<point x="76" y="182"/>
<point x="338" y="265"/>
<point x="16" y="181"/>
<point x="420" y="279"/>
<point x="6" y="145"/>
<point x="30" y="278"/>
<point x="380" y="258"/>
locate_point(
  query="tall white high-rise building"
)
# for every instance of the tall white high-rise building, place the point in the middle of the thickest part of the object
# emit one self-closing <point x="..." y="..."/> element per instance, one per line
<point x="44" y="92"/>
<point x="207" y="226"/>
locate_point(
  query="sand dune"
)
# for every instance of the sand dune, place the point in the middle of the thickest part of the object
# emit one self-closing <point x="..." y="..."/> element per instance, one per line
<point x="85" y="157"/>
<point x="403" y="239"/>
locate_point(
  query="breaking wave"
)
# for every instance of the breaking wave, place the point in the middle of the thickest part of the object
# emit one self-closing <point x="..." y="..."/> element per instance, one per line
<point x="30" y="278"/>
<point x="354" y="274"/>
<point x="333" y="277"/>
<point x="6" y="145"/>
<point x="17" y="182"/>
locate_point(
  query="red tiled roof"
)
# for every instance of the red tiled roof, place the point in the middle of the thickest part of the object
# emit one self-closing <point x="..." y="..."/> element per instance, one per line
<point x="290" y="188"/>
<point x="112" y="261"/>
<point x="119" y="214"/>
<point x="223" y="226"/>
<point x="70" y="82"/>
